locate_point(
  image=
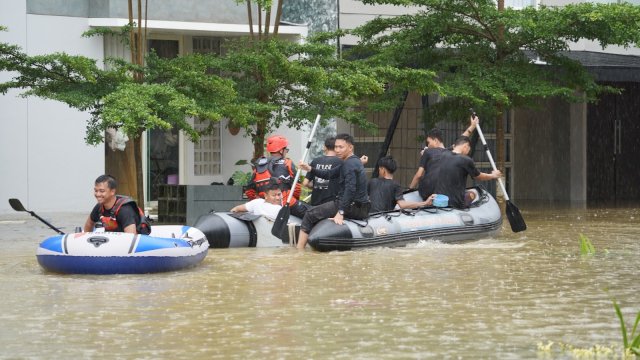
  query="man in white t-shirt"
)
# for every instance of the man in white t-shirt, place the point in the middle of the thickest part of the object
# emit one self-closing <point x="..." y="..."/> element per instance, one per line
<point x="269" y="206"/>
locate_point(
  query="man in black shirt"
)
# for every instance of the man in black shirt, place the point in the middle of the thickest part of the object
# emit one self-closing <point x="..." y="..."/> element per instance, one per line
<point x="427" y="174"/>
<point x="385" y="193"/>
<point x="454" y="167"/>
<point x="324" y="190"/>
<point x="352" y="202"/>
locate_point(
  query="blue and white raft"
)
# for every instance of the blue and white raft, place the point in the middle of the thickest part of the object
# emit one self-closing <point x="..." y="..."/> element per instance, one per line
<point x="167" y="248"/>
<point x="391" y="229"/>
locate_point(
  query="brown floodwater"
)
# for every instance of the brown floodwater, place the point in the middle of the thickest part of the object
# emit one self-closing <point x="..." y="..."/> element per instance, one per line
<point x="494" y="298"/>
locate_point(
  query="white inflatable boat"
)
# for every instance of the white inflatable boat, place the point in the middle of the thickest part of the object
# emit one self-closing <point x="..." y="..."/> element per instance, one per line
<point x="167" y="248"/>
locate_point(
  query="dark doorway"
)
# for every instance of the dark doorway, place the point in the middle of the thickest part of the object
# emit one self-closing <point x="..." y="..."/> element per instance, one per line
<point x="613" y="125"/>
<point x="163" y="156"/>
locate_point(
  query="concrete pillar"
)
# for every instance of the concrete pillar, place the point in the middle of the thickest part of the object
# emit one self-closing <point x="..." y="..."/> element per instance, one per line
<point x="578" y="152"/>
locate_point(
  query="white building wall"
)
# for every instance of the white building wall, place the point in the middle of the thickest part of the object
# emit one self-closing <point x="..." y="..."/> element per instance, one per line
<point x="45" y="161"/>
<point x="239" y="147"/>
<point x="13" y="115"/>
<point x="593" y="46"/>
<point x="354" y="13"/>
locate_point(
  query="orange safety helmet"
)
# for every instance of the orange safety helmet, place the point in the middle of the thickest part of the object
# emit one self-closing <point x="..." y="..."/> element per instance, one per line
<point x="276" y="143"/>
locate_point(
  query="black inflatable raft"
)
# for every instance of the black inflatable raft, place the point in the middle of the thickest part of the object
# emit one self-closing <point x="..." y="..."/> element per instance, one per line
<point x="402" y="227"/>
<point x="391" y="229"/>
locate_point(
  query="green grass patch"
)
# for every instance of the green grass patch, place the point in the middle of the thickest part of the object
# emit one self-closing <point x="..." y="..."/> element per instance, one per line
<point x="631" y="342"/>
<point x="586" y="247"/>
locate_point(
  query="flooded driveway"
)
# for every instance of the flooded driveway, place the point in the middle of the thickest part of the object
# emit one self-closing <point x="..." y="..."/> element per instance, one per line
<point x="505" y="297"/>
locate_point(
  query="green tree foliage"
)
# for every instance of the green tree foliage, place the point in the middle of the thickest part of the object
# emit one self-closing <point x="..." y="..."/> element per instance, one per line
<point x="160" y="94"/>
<point x="483" y="52"/>
<point x="258" y="85"/>
<point x="172" y="91"/>
<point x="282" y="83"/>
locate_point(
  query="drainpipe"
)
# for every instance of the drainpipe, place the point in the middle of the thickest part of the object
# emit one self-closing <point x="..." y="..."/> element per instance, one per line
<point x="392" y="128"/>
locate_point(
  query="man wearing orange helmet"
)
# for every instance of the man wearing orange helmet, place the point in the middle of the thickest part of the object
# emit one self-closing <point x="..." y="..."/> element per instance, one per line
<point x="279" y="167"/>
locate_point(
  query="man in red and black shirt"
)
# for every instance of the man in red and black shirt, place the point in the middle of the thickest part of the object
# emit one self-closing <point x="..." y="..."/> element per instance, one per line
<point x="125" y="219"/>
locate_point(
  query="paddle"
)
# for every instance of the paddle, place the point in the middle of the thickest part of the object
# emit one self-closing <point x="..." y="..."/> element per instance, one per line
<point x="17" y="206"/>
<point x="513" y="213"/>
<point x="283" y="215"/>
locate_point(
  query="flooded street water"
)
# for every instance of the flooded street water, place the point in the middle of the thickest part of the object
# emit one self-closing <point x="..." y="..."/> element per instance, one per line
<point x="494" y="298"/>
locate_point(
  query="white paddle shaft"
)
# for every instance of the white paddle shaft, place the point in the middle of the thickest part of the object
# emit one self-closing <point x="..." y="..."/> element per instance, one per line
<point x="493" y="164"/>
<point x="304" y="157"/>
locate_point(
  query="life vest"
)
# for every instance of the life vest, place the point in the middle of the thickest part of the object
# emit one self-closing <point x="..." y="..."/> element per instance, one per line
<point x="110" y="223"/>
<point x="279" y="168"/>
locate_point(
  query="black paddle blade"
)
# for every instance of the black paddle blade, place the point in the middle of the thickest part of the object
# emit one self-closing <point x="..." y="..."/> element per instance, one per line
<point x="281" y="221"/>
<point x="515" y="218"/>
<point x="16" y="205"/>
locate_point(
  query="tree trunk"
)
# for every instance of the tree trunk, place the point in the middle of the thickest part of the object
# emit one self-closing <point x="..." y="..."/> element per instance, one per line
<point x="139" y="44"/>
<point x="132" y="40"/>
<point x="267" y="23"/>
<point x="276" y="24"/>
<point x="126" y="166"/>
<point x="139" y="174"/>
<point x="258" y="139"/>
<point x="250" y="18"/>
<point x="259" y="22"/>
<point x="122" y="166"/>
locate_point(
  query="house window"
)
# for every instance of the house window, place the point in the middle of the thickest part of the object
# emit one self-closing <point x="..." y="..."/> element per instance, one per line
<point x="206" y="45"/>
<point x="206" y="152"/>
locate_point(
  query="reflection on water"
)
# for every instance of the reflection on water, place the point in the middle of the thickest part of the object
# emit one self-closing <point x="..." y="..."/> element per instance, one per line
<point x="494" y="298"/>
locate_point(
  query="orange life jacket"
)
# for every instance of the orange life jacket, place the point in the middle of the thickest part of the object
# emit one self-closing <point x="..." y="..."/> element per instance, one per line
<point x="278" y="168"/>
<point x="110" y="222"/>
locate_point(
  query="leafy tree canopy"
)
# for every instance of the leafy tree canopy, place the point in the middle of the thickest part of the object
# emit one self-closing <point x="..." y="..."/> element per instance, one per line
<point x="284" y="83"/>
<point x="259" y="85"/>
<point x="483" y="55"/>
<point x="172" y="91"/>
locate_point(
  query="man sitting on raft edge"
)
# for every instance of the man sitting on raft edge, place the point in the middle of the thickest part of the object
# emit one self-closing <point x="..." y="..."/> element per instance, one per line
<point x="352" y="201"/>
